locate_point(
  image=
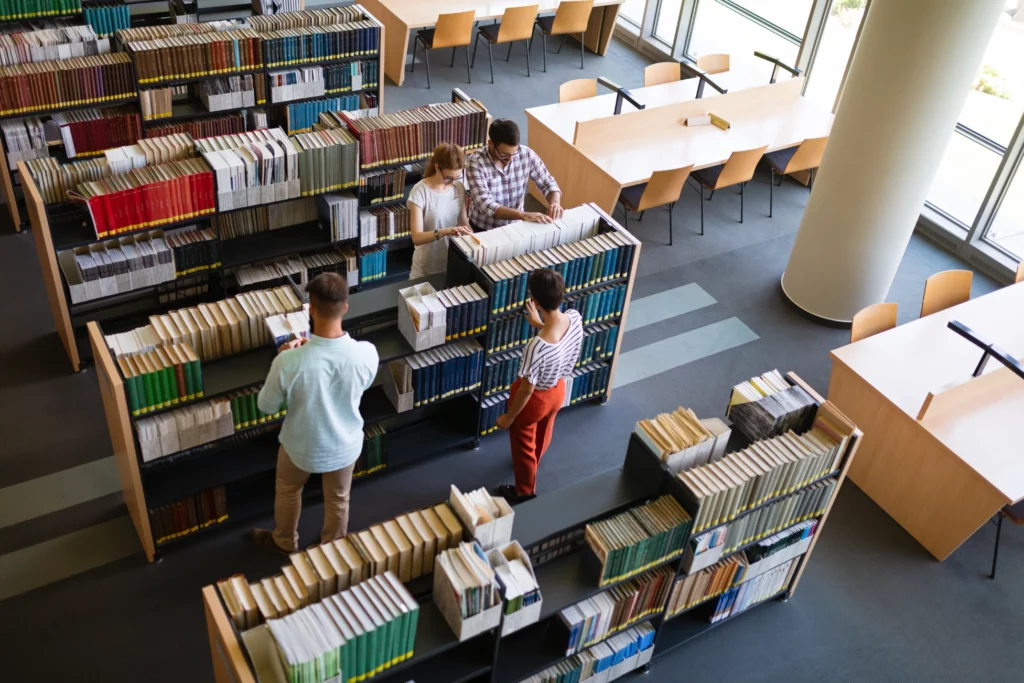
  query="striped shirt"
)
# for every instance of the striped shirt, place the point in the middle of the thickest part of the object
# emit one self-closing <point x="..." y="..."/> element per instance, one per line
<point x="544" y="363"/>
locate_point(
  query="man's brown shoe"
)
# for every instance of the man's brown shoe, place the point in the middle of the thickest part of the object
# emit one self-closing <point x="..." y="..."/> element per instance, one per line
<point x="264" y="538"/>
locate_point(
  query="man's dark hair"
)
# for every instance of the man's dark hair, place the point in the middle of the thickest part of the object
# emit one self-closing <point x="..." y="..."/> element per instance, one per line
<point x="328" y="294"/>
<point x="548" y="288"/>
<point x="504" y="132"/>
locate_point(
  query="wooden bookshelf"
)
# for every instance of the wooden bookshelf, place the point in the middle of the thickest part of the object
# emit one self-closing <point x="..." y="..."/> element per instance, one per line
<point x="564" y="580"/>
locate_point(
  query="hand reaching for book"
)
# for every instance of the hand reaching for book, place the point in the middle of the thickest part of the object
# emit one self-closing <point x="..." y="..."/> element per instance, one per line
<point x="293" y="344"/>
<point x="534" y="217"/>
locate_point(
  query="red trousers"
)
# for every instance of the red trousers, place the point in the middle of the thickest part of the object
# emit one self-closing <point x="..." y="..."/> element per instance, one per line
<point x="530" y="433"/>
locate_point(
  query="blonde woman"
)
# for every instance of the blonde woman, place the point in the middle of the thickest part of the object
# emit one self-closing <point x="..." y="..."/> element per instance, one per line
<point x="437" y="210"/>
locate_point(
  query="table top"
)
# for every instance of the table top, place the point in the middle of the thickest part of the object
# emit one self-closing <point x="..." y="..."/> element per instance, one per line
<point x="423" y="13"/>
<point x="908" y="362"/>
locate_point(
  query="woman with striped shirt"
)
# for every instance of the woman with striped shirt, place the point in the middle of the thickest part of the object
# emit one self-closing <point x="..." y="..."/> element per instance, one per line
<point x="539" y="391"/>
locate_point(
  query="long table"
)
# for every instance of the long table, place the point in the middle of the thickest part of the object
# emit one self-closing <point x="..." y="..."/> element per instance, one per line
<point x="401" y="17"/>
<point x="594" y="154"/>
<point x="944" y="474"/>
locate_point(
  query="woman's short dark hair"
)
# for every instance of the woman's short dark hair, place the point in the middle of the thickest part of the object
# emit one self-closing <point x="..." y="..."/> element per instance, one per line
<point x="548" y="288"/>
<point x="504" y="132"/>
<point x="328" y="294"/>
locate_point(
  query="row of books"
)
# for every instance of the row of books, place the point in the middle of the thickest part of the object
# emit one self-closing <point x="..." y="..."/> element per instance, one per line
<point x="195" y="250"/>
<point x="245" y="410"/>
<point x="598" y="343"/>
<point x="327" y="16"/>
<point x="639" y="538"/>
<point x="412" y="135"/>
<point x="149" y="152"/>
<point x="340" y="210"/>
<point x="214" y="329"/>
<point x="605" y="661"/>
<point x="766" y="469"/>
<point x="710" y="582"/>
<point x="201" y="127"/>
<point x="232" y="92"/>
<point x="381" y="186"/>
<point x="107" y="19"/>
<point x="184" y="428"/>
<point x="31" y="9"/>
<point x="118" y="266"/>
<point x="48" y="44"/>
<point x="256" y="167"/>
<point x="45" y="86"/>
<point x="163" y="377"/>
<point x="581" y="264"/>
<point x="682" y="440"/>
<point x="54" y="180"/>
<point x="768" y="405"/>
<point x="499" y="373"/>
<point x="300" y="83"/>
<point x="260" y="275"/>
<point x="196" y="55"/>
<point x="471" y="577"/>
<point x="91" y="131"/>
<point x="374" y="455"/>
<point x="373" y="264"/>
<point x="599" y="305"/>
<point x="299" y="117"/>
<point x="508" y="333"/>
<point x="594" y="619"/>
<point x="383" y="224"/>
<point x="523" y="237"/>
<point x="314" y="44"/>
<point x="289" y="326"/>
<point x="443" y="371"/>
<point x="755" y="590"/>
<point x="189" y="515"/>
<point x="490" y="409"/>
<point x="262" y="219"/>
<point x="465" y="310"/>
<point x="587" y="382"/>
<point x="349" y="636"/>
<point x="328" y="161"/>
<point x="342" y="260"/>
<point x="148" y="197"/>
<point x="25" y="139"/>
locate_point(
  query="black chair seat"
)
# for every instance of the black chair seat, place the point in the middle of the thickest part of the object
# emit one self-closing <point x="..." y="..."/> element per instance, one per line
<point x="427" y="36"/>
<point x="490" y="31"/>
<point x="546" y="24"/>
<point x="708" y="176"/>
<point x="630" y="196"/>
<point x="780" y="159"/>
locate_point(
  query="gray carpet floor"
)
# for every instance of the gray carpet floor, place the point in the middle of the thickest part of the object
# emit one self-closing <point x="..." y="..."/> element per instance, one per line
<point x="872" y="606"/>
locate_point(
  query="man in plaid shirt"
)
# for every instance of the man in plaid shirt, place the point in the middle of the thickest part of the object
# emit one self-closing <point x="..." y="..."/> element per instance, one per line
<point x="497" y="180"/>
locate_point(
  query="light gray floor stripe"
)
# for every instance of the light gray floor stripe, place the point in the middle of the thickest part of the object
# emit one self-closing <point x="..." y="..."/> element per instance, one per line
<point x="37" y="497"/>
<point x="64" y="556"/>
<point x="668" y="304"/>
<point x="681" y="349"/>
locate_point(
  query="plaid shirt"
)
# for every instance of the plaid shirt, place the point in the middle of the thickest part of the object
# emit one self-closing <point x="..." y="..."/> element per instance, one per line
<point x="491" y="187"/>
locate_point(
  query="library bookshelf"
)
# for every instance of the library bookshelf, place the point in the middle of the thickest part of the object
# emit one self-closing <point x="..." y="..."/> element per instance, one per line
<point x="550" y="528"/>
<point x="244" y="463"/>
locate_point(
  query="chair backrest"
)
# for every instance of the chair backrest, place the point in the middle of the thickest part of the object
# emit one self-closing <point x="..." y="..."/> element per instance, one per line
<point x="1020" y="272"/>
<point x="740" y="167"/>
<point x="579" y="89"/>
<point x="572" y="16"/>
<point x="517" y="23"/>
<point x="808" y="155"/>
<point x="454" y="29"/>
<point x="872" y="320"/>
<point x="713" y="64"/>
<point x="662" y="72"/>
<point x="664" y="187"/>
<point x="945" y="289"/>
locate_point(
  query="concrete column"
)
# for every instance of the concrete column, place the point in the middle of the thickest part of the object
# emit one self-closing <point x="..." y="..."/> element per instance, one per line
<point x="911" y="72"/>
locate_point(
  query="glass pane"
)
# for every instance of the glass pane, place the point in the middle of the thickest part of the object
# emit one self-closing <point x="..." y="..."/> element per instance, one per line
<point x="1007" y="230"/>
<point x="668" y="20"/>
<point x="964" y="176"/>
<point x="633" y="11"/>
<point x="719" y="29"/>
<point x="834" y="51"/>
<point x="996" y="102"/>
<point x="790" y="15"/>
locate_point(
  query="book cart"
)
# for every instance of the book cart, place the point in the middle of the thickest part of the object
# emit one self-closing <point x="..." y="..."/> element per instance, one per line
<point x="550" y="527"/>
<point x="245" y="461"/>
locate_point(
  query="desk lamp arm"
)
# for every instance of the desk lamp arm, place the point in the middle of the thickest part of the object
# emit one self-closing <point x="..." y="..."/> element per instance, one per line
<point x="620" y="94"/>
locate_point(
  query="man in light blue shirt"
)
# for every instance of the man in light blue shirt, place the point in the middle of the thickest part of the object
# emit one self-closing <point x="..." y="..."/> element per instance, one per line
<point x="321" y="382"/>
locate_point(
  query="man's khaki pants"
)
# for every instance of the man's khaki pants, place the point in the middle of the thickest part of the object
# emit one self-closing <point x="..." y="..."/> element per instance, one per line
<point x="288" y="502"/>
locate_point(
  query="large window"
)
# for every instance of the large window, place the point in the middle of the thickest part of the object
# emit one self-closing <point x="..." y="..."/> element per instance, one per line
<point x="834" y="50"/>
<point x="1007" y="230"/>
<point x="633" y="11"/>
<point x="723" y="26"/>
<point x="668" y="20"/>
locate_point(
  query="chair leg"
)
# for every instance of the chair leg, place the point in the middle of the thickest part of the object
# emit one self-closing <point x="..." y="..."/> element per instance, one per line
<point x="509" y="55"/>
<point x="475" y="43"/>
<point x="810" y="181"/>
<point x="453" y="59"/>
<point x="426" y="60"/>
<point x="582" y="50"/>
<point x="490" y="59"/>
<point x="415" y="44"/>
<point x="995" y="552"/>
<point x="641" y="219"/>
<point x="742" y="185"/>
<point x="544" y="43"/>
<point x="710" y="194"/>
<point x="771" y="194"/>
<point x="469" y="77"/>
<point x="561" y="44"/>
<point x="702" y="210"/>
<point x="527" y="58"/>
<point x="670" y="206"/>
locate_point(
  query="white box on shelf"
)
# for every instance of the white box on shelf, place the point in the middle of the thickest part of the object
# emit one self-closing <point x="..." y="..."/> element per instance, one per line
<point x="463" y="628"/>
<point x="489" y="535"/>
<point x="503" y="555"/>
<point x="396" y="374"/>
<point x="424" y="297"/>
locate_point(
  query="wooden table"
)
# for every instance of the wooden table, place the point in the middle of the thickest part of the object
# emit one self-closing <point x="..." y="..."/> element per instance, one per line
<point x="941" y="477"/>
<point x="594" y="154"/>
<point x="401" y="17"/>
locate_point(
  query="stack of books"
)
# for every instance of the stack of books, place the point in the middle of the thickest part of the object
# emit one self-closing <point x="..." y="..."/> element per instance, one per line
<point x="165" y="376"/>
<point x="146" y="152"/>
<point x="638" y="539"/>
<point x="381" y="186"/>
<point x="328" y="161"/>
<point x="38" y="9"/>
<point x="598" y="343"/>
<point x="54" y="179"/>
<point x="49" y="44"/>
<point x="189" y="515"/>
<point x="262" y="219"/>
<point x="767" y="469"/>
<point x="259" y="167"/>
<point x="118" y="266"/>
<point x="683" y="441"/>
<point x="587" y="382"/>
<point x="350" y="77"/>
<point x="262" y="275"/>
<point x="707" y="583"/>
<point x="314" y="44"/>
<point x="234" y="92"/>
<point x="465" y="310"/>
<point x="443" y="371"/>
<point x="383" y="225"/>
<point x="108" y="18"/>
<point x="300" y="83"/>
<point x="245" y="410"/>
<point x="373" y="264"/>
<point x="340" y="210"/>
<point x="91" y="131"/>
<point x="768" y="405"/>
<point x="606" y="661"/>
<point x="26" y="140"/>
<point x="342" y="260"/>
<point x="184" y="428"/>
<point x="195" y="250"/>
<point x="215" y="329"/>
<point x="374" y="455"/>
<point x="349" y="636"/>
<point x="44" y="86"/>
<point x="290" y="18"/>
<point x="781" y="515"/>
<point x="201" y="128"/>
<point x="594" y="619"/>
<point x="195" y="55"/>
<point x="471" y="577"/>
<point x="755" y="590"/>
<point x="300" y="117"/>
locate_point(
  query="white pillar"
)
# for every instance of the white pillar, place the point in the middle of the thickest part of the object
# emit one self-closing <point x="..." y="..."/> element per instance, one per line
<point x="911" y="73"/>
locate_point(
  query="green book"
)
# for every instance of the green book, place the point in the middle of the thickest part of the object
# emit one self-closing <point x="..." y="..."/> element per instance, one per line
<point x="197" y="372"/>
<point x="368" y="646"/>
<point x="131" y="391"/>
<point x="413" y="613"/>
<point x="394" y="635"/>
<point x="151" y="380"/>
<point x="255" y="415"/>
<point x="170" y="379"/>
<point x="380" y="635"/>
<point x="236" y="412"/>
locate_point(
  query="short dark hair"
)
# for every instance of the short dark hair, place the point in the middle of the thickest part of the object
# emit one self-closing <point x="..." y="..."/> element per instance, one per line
<point x="548" y="288"/>
<point x="504" y="132"/>
<point x="328" y="294"/>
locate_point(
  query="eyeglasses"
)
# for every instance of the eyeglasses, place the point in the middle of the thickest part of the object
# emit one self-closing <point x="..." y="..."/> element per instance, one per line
<point x="501" y="156"/>
<point x="448" y="180"/>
